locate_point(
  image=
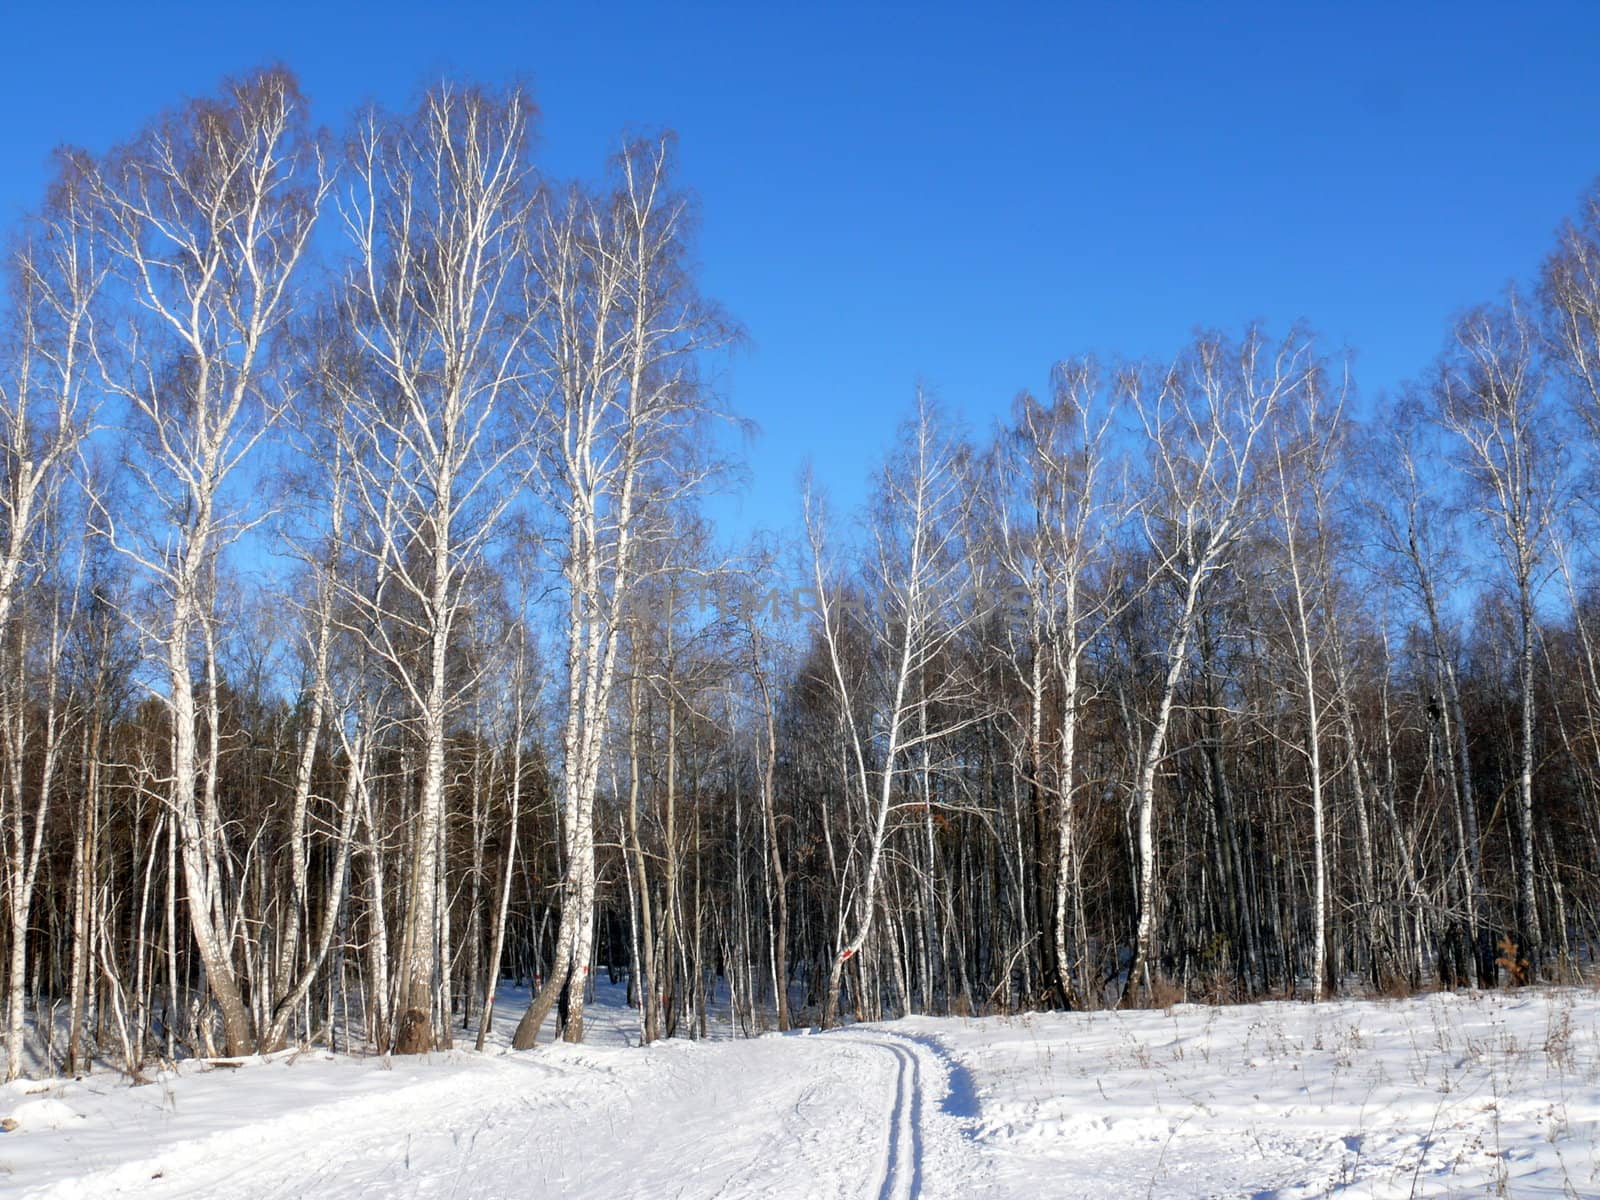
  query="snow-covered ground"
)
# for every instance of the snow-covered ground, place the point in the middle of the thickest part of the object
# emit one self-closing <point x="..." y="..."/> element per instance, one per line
<point x="1492" y="1094"/>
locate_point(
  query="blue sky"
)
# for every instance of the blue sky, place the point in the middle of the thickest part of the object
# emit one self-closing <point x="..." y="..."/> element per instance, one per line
<point x="894" y="193"/>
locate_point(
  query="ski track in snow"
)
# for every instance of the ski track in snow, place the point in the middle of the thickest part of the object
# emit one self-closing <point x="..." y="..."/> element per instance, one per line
<point x="1444" y="1095"/>
<point x="902" y="1165"/>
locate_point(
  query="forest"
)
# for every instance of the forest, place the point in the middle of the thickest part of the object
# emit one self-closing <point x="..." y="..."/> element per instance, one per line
<point x="366" y="648"/>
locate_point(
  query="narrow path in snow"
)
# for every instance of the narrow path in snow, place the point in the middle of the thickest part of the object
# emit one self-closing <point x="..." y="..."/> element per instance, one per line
<point x="856" y="1113"/>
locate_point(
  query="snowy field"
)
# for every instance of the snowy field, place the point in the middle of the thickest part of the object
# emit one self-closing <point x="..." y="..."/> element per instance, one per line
<point x="1459" y="1095"/>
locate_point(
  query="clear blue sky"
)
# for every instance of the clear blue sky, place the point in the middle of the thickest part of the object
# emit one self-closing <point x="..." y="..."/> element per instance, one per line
<point x="894" y="193"/>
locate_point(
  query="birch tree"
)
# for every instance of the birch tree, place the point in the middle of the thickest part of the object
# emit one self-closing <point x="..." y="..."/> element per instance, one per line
<point x="1570" y="292"/>
<point x="760" y="653"/>
<point x="619" y="426"/>
<point x="1206" y="422"/>
<point x="1410" y="533"/>
<point x="519" y="675"/>
<point x="1490" y="395"/>
<point x="439" y="299"/>
<point x="54" y="275"/>
<point x="1051" y="464"/>
<point x="914" y="567"/>
<point x="1304" y="446"/>
<point x="205" y="218"/>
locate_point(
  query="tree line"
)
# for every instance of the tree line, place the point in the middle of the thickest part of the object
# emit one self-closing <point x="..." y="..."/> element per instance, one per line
<point x="364" y="646"/>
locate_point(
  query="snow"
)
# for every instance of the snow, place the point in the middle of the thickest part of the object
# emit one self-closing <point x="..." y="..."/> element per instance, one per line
<point x="1492" y="1093"/>
<point x="33" y="1115"/>
<point x="1449" y="1094"/>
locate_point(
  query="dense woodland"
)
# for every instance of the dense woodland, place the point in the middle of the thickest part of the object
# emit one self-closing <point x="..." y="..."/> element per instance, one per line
<point x="364" y="648"/>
